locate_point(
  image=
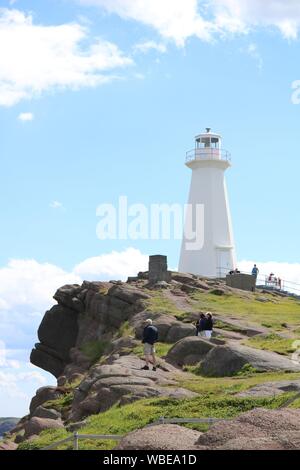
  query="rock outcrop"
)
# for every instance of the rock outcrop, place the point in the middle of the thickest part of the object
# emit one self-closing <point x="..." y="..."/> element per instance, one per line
<point x="161" y="437"/>
<point x="8" y="445"/>
<point x="189" y="351"/>
<point x="271" y="389"/>
<point x="43" y="395"/>
<point x="256" y="429"/>
<point x="259" y="429"/>
<point x="228" y="360"/>
<point x="35" y="425"/>
<point x="170" y="330"/>
<point x="84" y="313"/>
<point x="91" y="342"/>
<point x="123" y="382"/>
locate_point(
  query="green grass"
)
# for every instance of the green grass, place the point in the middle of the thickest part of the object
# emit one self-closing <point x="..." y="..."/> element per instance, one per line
<point x="232" y="385"/>
<point x="227" y="326"/>
<point x="121" y="420"/>
<point x="158" y="303"/>
<point x="125" y="330"/>
<point x="272" y="342"/>
<point x="93" y="350"/>
<point x="47" y="437"/>
<point x="217" y="399"/>
<point x="60" y="404"/>
<point x="162" y="349"/>
<point x="295" y="404"/>
<point x="217" y="396"/>
<point x="247" y="370"/>
<point x="285" y="310"/>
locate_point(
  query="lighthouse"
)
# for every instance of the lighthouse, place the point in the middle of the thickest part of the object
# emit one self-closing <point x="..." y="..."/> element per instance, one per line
<point x="208" y="245"/>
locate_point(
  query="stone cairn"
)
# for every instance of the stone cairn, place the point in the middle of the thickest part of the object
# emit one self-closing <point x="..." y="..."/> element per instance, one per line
<point x="158" y="271"/>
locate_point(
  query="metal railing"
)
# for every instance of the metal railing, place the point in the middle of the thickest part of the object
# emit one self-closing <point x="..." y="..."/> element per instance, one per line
<point x="263" y="281"/>
<point x="207" y="154"/>
<point x="76" y="437"/>
<point x="164" y="420"/>
<point x="116" y="437"/>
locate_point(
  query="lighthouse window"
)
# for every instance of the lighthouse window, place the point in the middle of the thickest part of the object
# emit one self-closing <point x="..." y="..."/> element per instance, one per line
<point x="205" y="142"/>
<point x="215" y="142"/>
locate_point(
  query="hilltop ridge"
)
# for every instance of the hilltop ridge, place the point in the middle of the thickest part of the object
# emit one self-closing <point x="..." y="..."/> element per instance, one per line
<point x="90" y="341"/>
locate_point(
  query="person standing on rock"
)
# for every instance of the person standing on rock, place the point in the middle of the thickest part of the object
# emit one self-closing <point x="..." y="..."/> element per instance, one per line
<point x="255" y="271"/>
<point x="200" y="325"/>
<point x="150" y="336"/>
<point x="209" y="324"/>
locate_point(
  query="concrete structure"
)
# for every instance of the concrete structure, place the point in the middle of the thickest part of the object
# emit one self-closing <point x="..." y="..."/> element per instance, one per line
<point x="241" y="281"/>
<point x="213" y="255"/>
<point x="158" y="269"/>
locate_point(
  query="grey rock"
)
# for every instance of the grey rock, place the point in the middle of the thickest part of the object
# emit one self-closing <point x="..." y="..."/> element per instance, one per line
<point x="271" y="389"/>
<point x="160" y="437"/>
<point x="189" y="351"/>
<point x="67" y="297"/>
<point x="61" y="381"/>
<point x="8" y="445"/>
<point x="36" y="425"/>
<point x="123" y="382"/>
<point x="127" y="293"/>
<point x="47" y="359"/>
<point x="282" y="441"/>
<point x="41" y="412"/>
<point x="228" y="360"/>
<point x="57" y="334"/>
<point x="126" y="343"/>
<point x="42" y="395"/>
<point x="169" y="329"/>
<point x="178" y="331"/>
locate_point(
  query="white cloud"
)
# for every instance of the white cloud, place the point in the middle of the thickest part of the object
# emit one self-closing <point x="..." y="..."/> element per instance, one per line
<point x="56" y="205"/>
<point x="181" y="19"/>
<point x="26" y="117"/>
<point x="38" y="58"/>
<point x="4" y="361"/>
<point x="240" y="15"/>
<point x="8" y="385"/>
<point x="27" y="288"/>
<point x="115" y="265"/>
<point x="30" y="284"/>
<point x="17" y="378"/>
<point x="147" y="46"/>
<point x="32" y="376"/>
<point x="173" y="19"/>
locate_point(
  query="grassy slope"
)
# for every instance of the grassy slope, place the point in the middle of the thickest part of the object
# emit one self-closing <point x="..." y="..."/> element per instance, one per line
<point x="272" y="314"/>
<point x="216" y="399"/>
<point x="216" y="395"/>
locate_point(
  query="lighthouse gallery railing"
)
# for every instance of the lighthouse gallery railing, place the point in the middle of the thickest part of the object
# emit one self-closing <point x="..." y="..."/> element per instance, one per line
<point x="207" y="154"/>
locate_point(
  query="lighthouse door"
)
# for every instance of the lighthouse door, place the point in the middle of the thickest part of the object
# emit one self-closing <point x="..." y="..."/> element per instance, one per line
<point x="223" y="262"/>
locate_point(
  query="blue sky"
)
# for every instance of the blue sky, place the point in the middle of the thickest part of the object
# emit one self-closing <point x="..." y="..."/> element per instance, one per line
<point x="103" y="98"/>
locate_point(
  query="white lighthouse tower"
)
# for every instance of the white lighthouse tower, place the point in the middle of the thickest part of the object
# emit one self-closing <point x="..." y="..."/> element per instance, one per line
<point x="214" y="256"/>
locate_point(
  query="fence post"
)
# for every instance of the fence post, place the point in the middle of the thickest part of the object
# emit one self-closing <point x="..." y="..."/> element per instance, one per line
<point x="76" y="440"/>
<point x="162" y="420"/>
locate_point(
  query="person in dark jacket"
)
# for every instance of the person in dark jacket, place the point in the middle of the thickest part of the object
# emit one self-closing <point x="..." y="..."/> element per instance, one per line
<point x="200" y="325"/>
<point x="150" y="336"/>
<point x="209" y="324"/>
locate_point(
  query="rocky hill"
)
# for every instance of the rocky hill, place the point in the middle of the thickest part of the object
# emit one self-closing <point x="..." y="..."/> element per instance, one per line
<point x="90" y="341"/>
